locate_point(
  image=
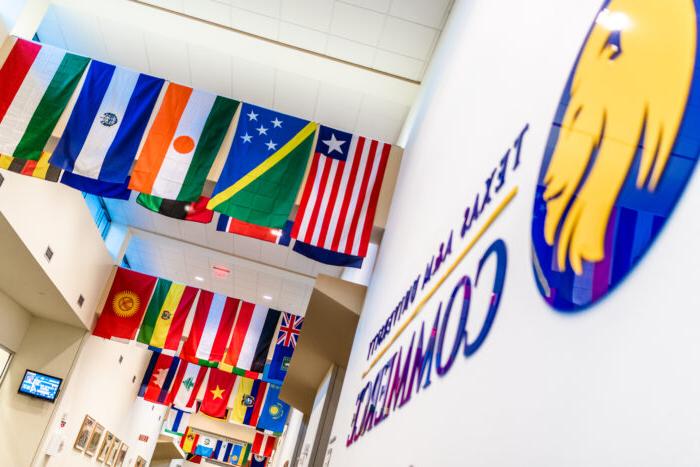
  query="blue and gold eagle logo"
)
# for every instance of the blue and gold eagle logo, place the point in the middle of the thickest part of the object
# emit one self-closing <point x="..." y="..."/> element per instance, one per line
<point x="622" y="147"/>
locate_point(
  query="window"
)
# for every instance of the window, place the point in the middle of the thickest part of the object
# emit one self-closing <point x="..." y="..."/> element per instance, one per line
<point x="5" y="358"/>
<point x="99" y="212"/>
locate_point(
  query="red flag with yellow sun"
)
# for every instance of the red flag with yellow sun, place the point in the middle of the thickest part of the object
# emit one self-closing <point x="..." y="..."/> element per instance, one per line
<point x="125" y="305"/>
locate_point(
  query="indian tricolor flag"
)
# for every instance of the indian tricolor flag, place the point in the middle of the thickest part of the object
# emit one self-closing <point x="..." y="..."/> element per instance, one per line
<point x="211" y="329"/>
<point x="166" y="315"/>
<point x="36" y="83"/>
<point x="251" y="339"/>
<point x="182" y="143"/>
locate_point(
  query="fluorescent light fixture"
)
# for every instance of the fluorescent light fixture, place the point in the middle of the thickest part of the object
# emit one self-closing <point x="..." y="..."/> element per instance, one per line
<point x="199" y="278"/>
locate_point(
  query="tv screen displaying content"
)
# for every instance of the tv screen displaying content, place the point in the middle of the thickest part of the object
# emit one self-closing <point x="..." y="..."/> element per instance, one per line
<point x="40" y="385"/>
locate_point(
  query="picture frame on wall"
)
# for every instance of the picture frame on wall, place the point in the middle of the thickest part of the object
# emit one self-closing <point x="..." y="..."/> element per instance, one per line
<point x="94" y="440"/>
<point x="113" y="451"/>
<point x="81" y="440"/>
<point x="140" y="462"/>
<point x="121" y="455"/>
<point x="105" y="447"/>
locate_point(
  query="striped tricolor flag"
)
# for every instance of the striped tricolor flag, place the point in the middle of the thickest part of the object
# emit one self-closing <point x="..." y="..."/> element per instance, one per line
<point x="248" y="401"/>
<point x="340" y="196"/>
<point x="107" y="123"/>
<point x="211" y="329"/>
<point x="185" y="389"/>
<point x="251" y="339"/>
<point x="166" y="315"/>
<point x="263" y="444"/>
<point x="182" y="143"/>
<point x="36" y="83"/>
<point x="189" y="441"/>
<point x="38" y="169"/>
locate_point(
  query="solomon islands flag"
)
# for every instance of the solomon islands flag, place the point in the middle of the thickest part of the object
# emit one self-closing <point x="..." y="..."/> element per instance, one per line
<point x="265" y="167"/>
<point x="107" y="123"/>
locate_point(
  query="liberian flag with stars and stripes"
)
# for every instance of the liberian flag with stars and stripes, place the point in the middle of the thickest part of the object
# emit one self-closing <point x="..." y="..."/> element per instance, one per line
<point x="211" y="329"/>
<point x="107" y="123"/>
<point x="182" y="143"/>
<point x="336" y="214"/>
<point x="36" y="84"/>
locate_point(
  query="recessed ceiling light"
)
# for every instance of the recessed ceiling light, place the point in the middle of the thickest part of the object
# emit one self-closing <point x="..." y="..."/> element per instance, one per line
<point x="199" y="278"/>
<point x="267" y="297"/>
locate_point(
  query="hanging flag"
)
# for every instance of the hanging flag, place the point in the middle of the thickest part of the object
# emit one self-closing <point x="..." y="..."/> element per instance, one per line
<point x="211" y="329"/>
<point x="258" y="461"/>
<point x="205" y="446"/>
<point x="327" y="256"/>
<point x="177" y="421"/>
<point x="218" y="393"/>
<point x="287" y="338"/>
<point x="234" y="226"/>
<point x="37" y="169"/>
<point x="183" y="210"/>
<point x="188" y="380"/>
<point x="158" y="378"/>
<point x="182" y="143"/>
<point x="125" y="305"/>
<point x="36" y="83"/>
<point x="252" y="336"/>
<point x="107" y="123"/>
<point x="248" y="401"/>
<point x="275" y="411"/>
<point x="265" y="167"/>
<point x="166" y="315"/>
<point x="263" y="444"/>
<point x="220" y="450"/>
<point x="238" y="453"/>
<point x="97" y="187"/>
<point x="341" y="193"/>
<point x="188" y="443"/>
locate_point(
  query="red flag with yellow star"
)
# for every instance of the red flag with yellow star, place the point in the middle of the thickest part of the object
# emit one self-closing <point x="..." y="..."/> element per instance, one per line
<point x="125" y="305"/>
<point x="218" y="393"/>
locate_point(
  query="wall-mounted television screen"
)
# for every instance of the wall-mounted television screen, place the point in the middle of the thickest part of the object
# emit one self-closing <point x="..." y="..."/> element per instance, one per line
<point x="39" y="385"/>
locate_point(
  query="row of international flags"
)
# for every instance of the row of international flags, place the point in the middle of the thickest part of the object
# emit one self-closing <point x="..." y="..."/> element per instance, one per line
<point x="230" y="334"/>
<point x="184" y="386"/>
<point x="201" y="444"/>
<point x="131" y="131"/>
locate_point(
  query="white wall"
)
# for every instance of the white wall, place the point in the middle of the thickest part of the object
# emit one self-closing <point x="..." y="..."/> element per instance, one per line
<point x="614" y="386"/>
<point x="15" y="322"/>
<point x="51" y="214"/>
<point x="47" y="347"/>
<point x="105" y="389"/>
<point x="287" y="444"/>
<point x="314" y="424"/>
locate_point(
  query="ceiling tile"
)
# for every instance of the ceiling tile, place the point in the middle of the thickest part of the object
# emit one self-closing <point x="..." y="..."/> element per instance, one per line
<point x="296" y="95"/>
<point x="247" y="247"/>
<point x="125" y="45"/>
<point x="399" y="64"/>
<point x="254" y="23"/>
<point x="315" y="14"/>
<point x="381" y="119"/>
<point x="273" y="254"/>
<point x="264" y="7"/>
<point x="81" y="34"/>
<point x="209" y="10"/>
<point x="253" y="82"/>
<point x="300" y="36"/>
<point x="169" y="4"/>
<point x="168" y="58"/>
<point x="209" y="71"/>
<point x="381" y="6"/>
<point x="358" y="24"/>
<point x="350" y="51"/>
<point x="431" y="13"/>
<point x="338" y="107"/>
<point x="49" y="31"/>
<point x="406" y="38"/>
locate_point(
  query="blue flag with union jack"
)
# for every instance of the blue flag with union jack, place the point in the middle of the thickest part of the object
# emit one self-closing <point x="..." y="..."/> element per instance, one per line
<point x="287" y="338"/>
